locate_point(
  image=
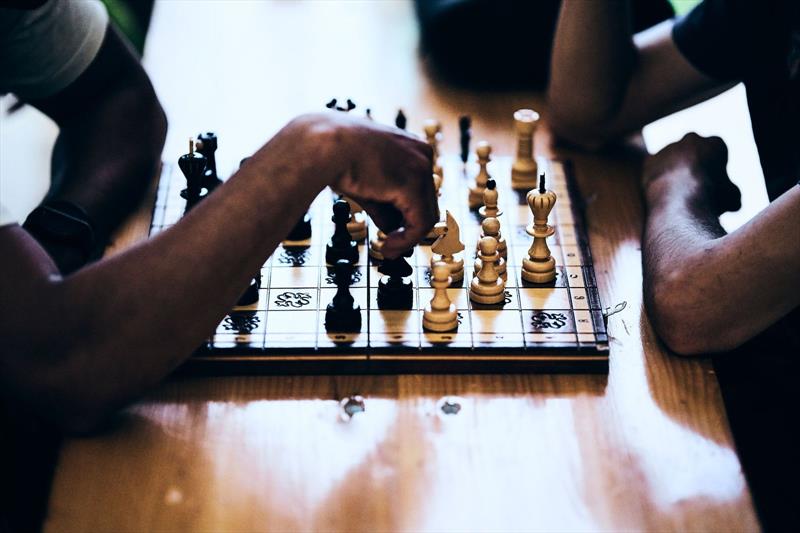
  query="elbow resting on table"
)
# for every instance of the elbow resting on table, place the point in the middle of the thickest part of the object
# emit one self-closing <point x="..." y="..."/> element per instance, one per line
<point x="684" y="318"/>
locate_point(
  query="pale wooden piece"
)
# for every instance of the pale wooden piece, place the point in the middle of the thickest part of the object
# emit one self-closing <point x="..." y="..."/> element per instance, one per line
<point x="447" y="245"/>
<point x="646" y="448"/>
<point x="437" y="185"/>
<point x="489" y="208"/>
<point x="357" y="227"/>
<point x="500" y="267"/>
<point x="490" y="227"/>
<point x="483" y="150"/>
<point x="440" y="314"/>
<point x="487" y="287"/>
<point x="433" y="134"/>
<point x="524" y="171"/>
<point x="539" y="266"/>
<point x="376" y="246"/>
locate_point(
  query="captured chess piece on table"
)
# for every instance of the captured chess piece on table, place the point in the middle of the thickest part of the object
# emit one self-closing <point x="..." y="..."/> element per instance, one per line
<point x="488" y="287"/>
<point x="524" y="169"/>
<point x="343" y="314"/>
<point x="447" y="245"/>
<point x="440" y="314"/>
<point x="395" y="290"/>
<point x="341" y="245"/>
<point x="483" y="150"/>
<point x="193" y="166"/>
<point x="539" y="266"/>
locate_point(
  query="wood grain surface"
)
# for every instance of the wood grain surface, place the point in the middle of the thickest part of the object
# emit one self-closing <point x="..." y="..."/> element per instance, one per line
<point x="646" y="447"/>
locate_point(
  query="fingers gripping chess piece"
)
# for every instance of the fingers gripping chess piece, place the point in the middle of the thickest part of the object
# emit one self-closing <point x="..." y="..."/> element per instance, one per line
<point x="491" y="228"/>
<point x="488" y="287"/>
<point x="440" y="314"/>
<point x="524" y="169"/>
<point x="539" y="266"/>
<point x="483" y="151"/>
<point x="433" y="133"/>
<point x="490" y="208"/>
<point x="448" y="244"/>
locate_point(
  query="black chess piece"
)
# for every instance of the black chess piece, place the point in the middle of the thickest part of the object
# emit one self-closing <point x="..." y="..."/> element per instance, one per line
<point x="250" y="295"/>
<point x="395" y="290"/>
<point x="193" y="166"/>
<point x="341" y="245"/>
<point x="464" y="125"/>
<point x="302" y="230"/>
<point x="343" y="314"/>
<point x="400" y="120"/>
<point x="207" y="145"/>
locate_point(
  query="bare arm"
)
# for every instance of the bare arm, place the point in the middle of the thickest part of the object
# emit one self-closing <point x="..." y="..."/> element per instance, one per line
<point x="111" y="134"/>
<point x="706" y="291"/>
<point x="606" y="82"/>
<point x="76" y="348"/>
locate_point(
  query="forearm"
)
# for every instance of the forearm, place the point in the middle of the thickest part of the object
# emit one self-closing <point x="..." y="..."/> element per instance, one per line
<point x="105" y="159"/>
<point x="120" y="325"/>
<point x="592" y="61"/>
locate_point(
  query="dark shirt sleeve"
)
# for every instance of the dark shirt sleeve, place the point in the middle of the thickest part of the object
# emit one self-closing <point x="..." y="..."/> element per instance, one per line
<point x="713" y="38"/>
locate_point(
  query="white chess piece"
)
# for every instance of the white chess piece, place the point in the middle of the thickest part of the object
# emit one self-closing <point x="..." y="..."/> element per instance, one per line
<point x="448" y="244"/>
<point x="489" y="208"/>
<point x="357" y="227"/>
<point x="440" y="314"/>
<point x="488" y="287"/>
<point x="491" y="228"/>
<point x="483" y="150"/>
<point x="433" y="134"/>
<point x="524" y="169"/>
<point x="539" y="266"/>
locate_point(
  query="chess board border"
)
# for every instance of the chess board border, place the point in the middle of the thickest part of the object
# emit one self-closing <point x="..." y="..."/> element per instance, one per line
<point x="578" y="357"/>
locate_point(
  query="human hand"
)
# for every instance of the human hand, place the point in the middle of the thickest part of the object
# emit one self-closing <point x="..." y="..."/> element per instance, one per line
<point x="694" y="166"/>
<point x="386" y="170"/>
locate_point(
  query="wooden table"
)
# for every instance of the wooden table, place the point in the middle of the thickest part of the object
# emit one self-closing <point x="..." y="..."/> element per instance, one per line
<point x="646" y="447"/>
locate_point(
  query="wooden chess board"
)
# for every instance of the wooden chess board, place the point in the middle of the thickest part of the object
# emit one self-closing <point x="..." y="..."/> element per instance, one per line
<point x="555" y="327"/>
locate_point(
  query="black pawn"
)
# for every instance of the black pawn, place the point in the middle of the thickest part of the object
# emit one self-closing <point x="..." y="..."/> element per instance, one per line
<point x="464" y="125"/>
<point x="400" y="120"/>
<point x="343" y="314"/>
<point x="395" y="290"/>
<point x="302" y="230"/>
<point x="193" y="166"/>
<point x="207" y="145"/>
<point x="341" y="245"/>
<point x="250" y="295"/>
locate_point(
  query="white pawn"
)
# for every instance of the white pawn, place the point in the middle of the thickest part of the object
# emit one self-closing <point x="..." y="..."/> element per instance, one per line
<point x="483" y="150"/>
<point x="490" y="208"/>
<point x="487" y="287"/>
<point x="433" y="133"/>
<point x="437" y="184"/>
<point x="440" y="314"/>
<point x="491" y="228"/>
<point x="539" y="266"/>
<point x="357" y="227"/>
<point x="448" y="244"/>
<point x="376" y="246"/>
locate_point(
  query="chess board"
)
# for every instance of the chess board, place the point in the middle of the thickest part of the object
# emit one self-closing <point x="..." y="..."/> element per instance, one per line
<point x="554" y="327"/>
